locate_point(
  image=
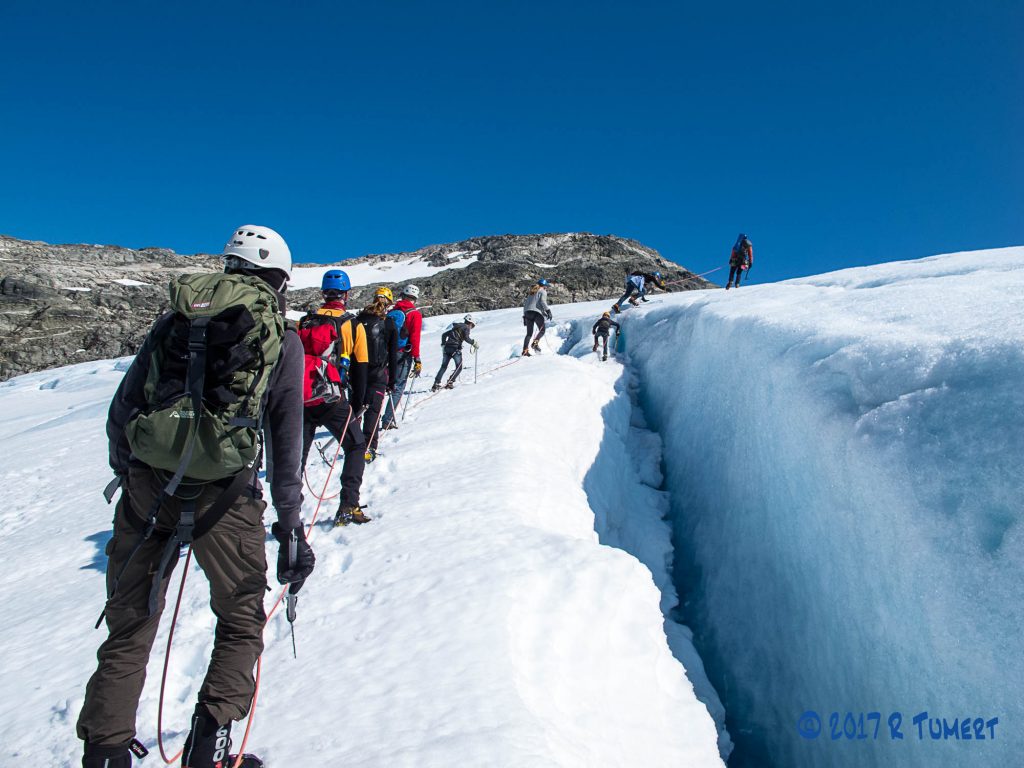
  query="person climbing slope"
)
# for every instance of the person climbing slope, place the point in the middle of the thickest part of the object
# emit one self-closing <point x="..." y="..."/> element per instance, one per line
<point x="638" y="282"/>
<point x="535" y="309"/>
<point x="334" y="387"/>
<point x="409" y="350"/>
<point x="741" y="259"/>
<point x="382" y="353"/>
<point x="601" y="329"/>
<point x="173" y="490"/>
<point x="451" y="345"/>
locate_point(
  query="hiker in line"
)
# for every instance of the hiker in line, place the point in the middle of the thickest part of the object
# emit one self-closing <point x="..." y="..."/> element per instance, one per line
<point x="334" y="387"/>
<point x="638" y="282"/>
<point x="451" y="345"/>
<point x="740" y="260"/>
<point x="535" y="309"/>
<point x="169" y="478"/>
<point x="382" y="353"/>
<point x="408" y="350"/>
<point x="600" y="331"/>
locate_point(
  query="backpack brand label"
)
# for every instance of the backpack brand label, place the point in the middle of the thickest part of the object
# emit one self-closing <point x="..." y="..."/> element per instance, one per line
<point x="183" y="414"/>
<point x="201" y="305"/>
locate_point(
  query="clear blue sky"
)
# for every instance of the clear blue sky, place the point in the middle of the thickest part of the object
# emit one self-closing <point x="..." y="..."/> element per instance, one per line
<point x="834" y="135"/>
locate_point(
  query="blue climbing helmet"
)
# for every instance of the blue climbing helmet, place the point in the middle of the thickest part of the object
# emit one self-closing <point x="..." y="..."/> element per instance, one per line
<point x="657" y="275"/>
<point x="335" y="280"/>
<point x="543" y="281"/>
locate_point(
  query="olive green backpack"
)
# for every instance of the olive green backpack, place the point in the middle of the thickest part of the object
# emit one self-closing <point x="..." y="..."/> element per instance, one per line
<point x="208" y="379"/>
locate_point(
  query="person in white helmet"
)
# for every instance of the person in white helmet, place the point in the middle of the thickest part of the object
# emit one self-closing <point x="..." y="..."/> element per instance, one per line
<point x="227" y="535"/>
<point x="451" y="345"/>
<point x="409" y="352"/>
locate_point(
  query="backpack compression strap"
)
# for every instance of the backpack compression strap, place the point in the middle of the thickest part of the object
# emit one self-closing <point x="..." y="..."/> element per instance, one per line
<point x="196" y="378"/>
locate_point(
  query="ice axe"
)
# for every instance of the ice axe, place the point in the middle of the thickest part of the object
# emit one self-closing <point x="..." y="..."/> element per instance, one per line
<point x="291" y="598"/>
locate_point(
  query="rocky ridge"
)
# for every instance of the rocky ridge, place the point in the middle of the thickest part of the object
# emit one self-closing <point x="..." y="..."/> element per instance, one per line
<point x="62" y="304"/>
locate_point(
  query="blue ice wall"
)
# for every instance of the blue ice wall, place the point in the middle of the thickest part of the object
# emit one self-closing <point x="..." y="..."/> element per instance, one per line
<point x="846" y="499"/>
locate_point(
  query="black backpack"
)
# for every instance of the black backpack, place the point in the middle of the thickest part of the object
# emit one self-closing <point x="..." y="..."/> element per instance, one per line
<point x="453" y="335"/>
<point x="376" y="339"/>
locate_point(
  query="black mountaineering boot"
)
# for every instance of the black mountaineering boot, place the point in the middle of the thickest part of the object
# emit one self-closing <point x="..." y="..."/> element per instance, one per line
<point x="348" y="513"/>
<point x="97" y="756"/>
<point x="208" y="743"/>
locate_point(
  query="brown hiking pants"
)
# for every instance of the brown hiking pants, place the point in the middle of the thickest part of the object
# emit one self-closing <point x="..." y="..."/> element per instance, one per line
<point x="233" y="557"/>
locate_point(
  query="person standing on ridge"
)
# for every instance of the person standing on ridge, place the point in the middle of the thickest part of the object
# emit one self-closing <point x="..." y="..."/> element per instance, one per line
<point x="637" y="282"/>
<point x="336" y="366"/>
<point x="741" y="258"/>
<point x="408" y="350"/>
<point x="382" y="352"/>
<point x="451" y="345"/>
<point x="174" y="491"/>
<point x="601" y="329"/>
<point x="535" y="309"/>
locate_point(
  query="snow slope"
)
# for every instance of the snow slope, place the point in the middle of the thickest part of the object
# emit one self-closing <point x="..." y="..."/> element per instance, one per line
<point x="844" y="454"/>
<point x="478" y="620"/>
<point x="381" y="272"/>
<point x="839" y="456"/>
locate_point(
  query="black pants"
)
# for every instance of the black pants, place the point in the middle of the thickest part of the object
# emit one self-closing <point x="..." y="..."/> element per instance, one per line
<point x="603" y="337"/>
<point x="532" y="319"/>
<point x="735" y="269"/>
<point x="334" y="416"/>
<point x="376" y="396"/>
<point x="401" y="382"/>
<point x="449" y="355"/>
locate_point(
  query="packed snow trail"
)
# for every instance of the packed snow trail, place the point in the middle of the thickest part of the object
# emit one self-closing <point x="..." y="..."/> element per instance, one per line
<point x="476" y="621"/>
<point x="843" y="454"/>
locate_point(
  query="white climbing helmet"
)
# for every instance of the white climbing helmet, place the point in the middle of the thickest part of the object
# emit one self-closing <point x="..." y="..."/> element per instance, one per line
<point x="411" y="290"/>
<point x="469" y="319"/>
<point x="260" y="246"/>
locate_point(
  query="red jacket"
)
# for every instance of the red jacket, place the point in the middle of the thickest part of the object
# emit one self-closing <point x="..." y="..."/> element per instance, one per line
<point x="414" y="322"/>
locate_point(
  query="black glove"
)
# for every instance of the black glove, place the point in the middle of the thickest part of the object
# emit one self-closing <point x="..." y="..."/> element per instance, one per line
<point x="548" y="313"/>
<point x="524" y="319"/>
<point x="389" y="389"/>
<point x="295" y="559"/>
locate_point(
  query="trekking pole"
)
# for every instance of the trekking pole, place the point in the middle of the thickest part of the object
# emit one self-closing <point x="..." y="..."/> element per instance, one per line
<point x="408" y="395"/>
<point x="476" y="359"/>
<point x="376" y="424"/>
<point x="394" y="410"/>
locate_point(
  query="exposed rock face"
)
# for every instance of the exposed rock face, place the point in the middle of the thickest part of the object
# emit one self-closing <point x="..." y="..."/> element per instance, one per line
<point x="62" y="304"/>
